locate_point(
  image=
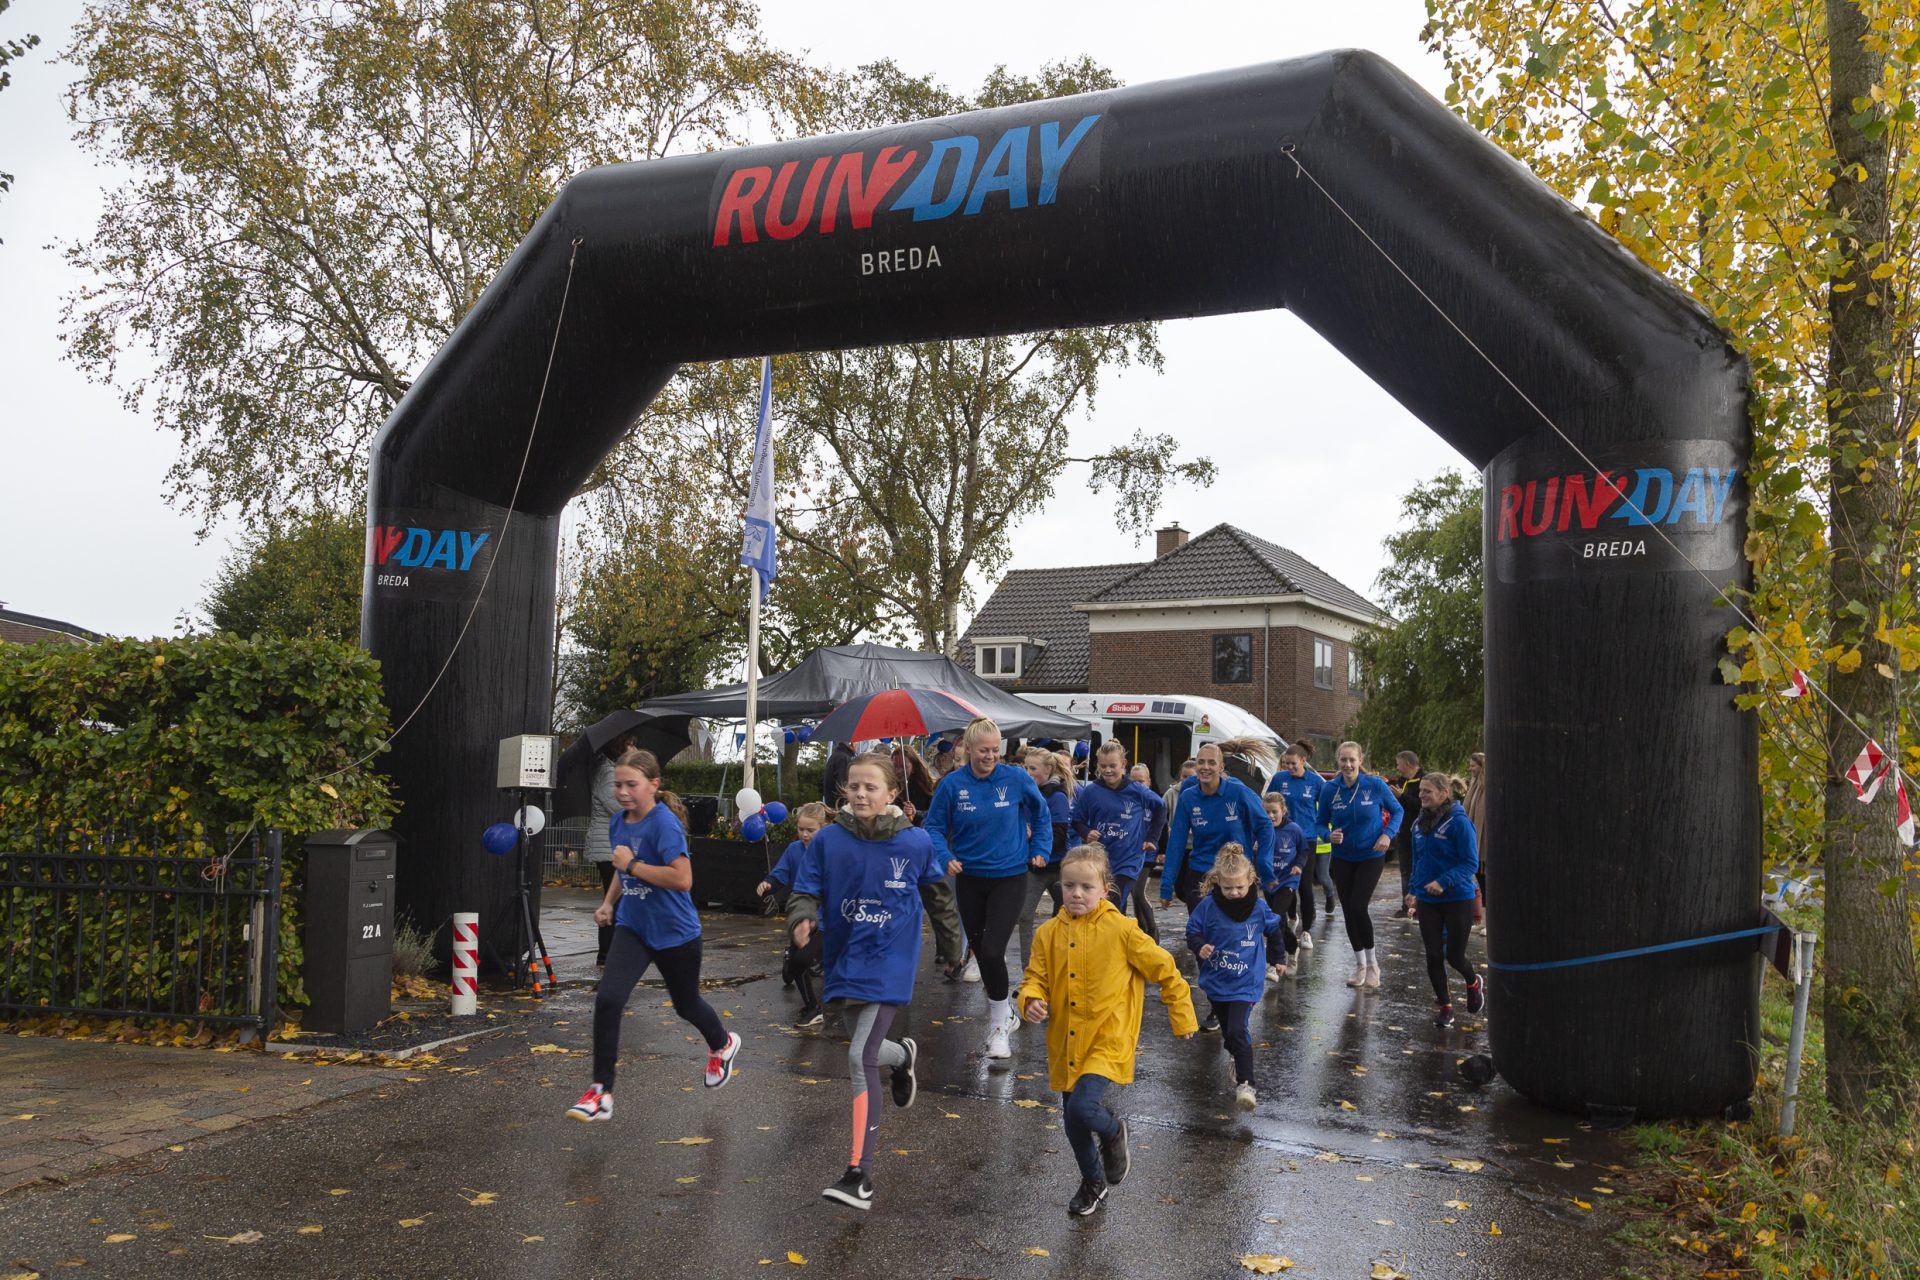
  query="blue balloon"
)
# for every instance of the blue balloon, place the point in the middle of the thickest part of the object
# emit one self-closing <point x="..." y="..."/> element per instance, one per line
<point x="942" y="747"/>
<point x="500" y="838"/>
<point x="790" y="737"/>
<point x="806" y="732"/>
<point x="888" y="741"/>
<point x="754" y="828"/>
<point x="776" y="812"/>
<point x="1079" y="751"/>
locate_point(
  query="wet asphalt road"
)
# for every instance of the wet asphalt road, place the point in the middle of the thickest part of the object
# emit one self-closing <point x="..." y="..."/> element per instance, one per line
<point x="1364" y="1149"/>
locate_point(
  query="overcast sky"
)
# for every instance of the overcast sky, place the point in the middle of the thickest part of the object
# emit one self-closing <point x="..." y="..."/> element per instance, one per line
<point x="1313" y="455"/>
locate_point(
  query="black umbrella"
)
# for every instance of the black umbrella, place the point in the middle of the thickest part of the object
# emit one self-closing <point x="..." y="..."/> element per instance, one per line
<point x="664" y="734"/>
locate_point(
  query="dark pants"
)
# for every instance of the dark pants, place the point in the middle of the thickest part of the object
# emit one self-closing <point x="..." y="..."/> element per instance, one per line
<point x="1087" y="1118"/>
<point x="1444" y="929"/>
<point x="606" y="930"/>
<point x="1187" y="886"/>
<point x="989" y="910"/>
<point x="1235" y="1038"/>
<point x="1406" y="870"/>
<point x="801" y="962"/>
<point x="1283" y="900"/>
<point x="1322" y="876"/>
<point x="627" y="961"/>
<point x="1356" y="882"/>
<point x="1134" y="888"/>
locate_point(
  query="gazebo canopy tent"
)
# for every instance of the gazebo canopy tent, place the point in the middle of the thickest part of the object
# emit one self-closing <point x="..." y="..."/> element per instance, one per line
<point x="828" y="677"/>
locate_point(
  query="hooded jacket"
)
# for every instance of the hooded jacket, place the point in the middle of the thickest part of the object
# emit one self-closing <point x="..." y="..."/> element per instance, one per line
<point x="877" y="886"/>
<point x="1446" y="852"/>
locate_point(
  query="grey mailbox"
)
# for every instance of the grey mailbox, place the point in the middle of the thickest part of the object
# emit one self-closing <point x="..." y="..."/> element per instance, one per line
<point x="349" y="941"/>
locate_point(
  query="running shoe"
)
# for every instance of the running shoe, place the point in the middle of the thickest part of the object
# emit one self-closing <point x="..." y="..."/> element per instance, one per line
<point x="1329" y="907"/>
<point x="595" y="1104"/>
<point x="811" y="1016"/>
<point x="1087" y="1198"/>
<point x="1212" y="1022"/>
<point x="1476" y="995"/>
<point x="1115" y="1157"/>
<point x="971" y="972"/>
<point x="1306" y="940"/>
<point x="905" y="1084"/>
<point x="997" y="1046"/>
<point x="854" y="1190"/>
<point x="1243" y="1095"/>
<point x="1373" y="977"/>
<point x="1444" y="1018"/>
<point x="720" y="1062"/>
<point x="1359" y="976"/>
<point x="1403" y="914"/>
<point x="1275" y="972"/>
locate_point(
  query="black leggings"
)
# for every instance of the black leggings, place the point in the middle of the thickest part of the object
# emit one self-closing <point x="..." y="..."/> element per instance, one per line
<point x="1235" y="1038"/>
<point x="627" y="961"/>
<point x="989" y="909"/>
<point x="1445" y="928"/>
<point x="606" y="930"/>
<point x="1355" y="883"/>
<point x="1283" y="901"/>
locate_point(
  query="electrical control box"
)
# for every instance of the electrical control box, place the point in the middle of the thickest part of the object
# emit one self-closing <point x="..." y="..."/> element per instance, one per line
<point x="526" y="760"/>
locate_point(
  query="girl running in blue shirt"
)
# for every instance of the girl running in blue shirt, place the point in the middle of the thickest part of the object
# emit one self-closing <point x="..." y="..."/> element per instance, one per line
<point x="1213" y="809"/>
<point x="1445" y="858"/>
<point x="1224" y="932"/>
<point x="801" y="962"/>
<point x="1052" y="772"/>
<point x="1302" y="786"/>
<point x="868" y="870"/>
<point x="654" y="924"/>
<point x="1290" y="854"/>
<point x="1124" y="815"/>
<point x="1361" y="814"/>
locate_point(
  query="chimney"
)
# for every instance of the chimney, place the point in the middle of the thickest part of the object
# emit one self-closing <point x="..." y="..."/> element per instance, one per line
<point x="1171" y="538"/>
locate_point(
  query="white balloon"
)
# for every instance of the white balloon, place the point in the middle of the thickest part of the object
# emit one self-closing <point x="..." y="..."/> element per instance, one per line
<point x="747" y="803"/>
<point x="530" y="820"/>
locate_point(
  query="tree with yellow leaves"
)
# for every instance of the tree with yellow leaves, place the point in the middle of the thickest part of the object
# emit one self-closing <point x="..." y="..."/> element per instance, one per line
<point x="1756" y="152"/>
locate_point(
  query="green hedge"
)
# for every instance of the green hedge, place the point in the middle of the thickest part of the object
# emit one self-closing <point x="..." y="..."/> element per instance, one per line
<point x="178" y="747"/>
<point x="699" y="778"/>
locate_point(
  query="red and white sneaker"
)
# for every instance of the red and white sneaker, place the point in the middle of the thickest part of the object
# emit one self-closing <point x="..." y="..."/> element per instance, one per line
<point x="720" y="1062"/>
<point x="595" y="1104"/>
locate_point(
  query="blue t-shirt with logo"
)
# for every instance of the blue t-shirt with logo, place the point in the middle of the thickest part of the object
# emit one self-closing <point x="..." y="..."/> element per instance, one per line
<point x="783" y="870"/>
<point x="1291" y="849"/>
<point x="662" y="917"/>
<point x="1237" y="969"/>
<point x="1303" y="800"/>
<point x="1362" y="813"/>
<point x="1233" y="813"/>
<point x="994" y="826"/>
<point x="1123" y="816"/>
<point x="869" y="896"/>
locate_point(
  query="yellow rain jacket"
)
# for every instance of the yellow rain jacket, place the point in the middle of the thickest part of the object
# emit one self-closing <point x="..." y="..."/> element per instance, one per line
<point x="1093" y="971"/>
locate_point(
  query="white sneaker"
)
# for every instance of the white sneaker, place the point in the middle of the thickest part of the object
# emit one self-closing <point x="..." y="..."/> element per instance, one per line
<point x="1013" y="1022"/>
<point x="972" y="972"/>
<point x="997" y="1046"/>
<point x="1306" y="941"/>
<point x="1359" y="976"/>
<point x="1243" y="1096"/>
<point x="1273" y="973"/>
<point x="1373" y="977"/>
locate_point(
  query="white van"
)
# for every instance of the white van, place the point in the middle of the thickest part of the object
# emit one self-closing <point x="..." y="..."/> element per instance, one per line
<point x="1159" y="730"/>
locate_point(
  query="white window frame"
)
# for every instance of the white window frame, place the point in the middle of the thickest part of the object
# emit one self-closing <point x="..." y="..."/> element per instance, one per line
<point x="1320" y="645"/>
<point x="1003" y="654"/>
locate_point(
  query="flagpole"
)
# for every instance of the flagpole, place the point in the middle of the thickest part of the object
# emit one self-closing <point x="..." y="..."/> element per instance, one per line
<point x="753" y="673"/>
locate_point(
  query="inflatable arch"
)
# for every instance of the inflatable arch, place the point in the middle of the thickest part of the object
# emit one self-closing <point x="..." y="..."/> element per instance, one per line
<point x="1623" y="809"/>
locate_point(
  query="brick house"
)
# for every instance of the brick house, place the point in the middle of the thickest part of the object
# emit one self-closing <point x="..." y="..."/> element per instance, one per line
<point x="1224" y="615"/>
<point x="24" y="628"/>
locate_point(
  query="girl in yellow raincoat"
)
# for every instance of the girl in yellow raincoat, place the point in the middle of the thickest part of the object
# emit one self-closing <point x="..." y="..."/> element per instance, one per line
<point x="1087" y="978"/>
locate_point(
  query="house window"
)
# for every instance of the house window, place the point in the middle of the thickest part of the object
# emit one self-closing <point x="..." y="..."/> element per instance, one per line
<point x="1353" y="669"/>
<point x="1322" y="663"/>
<point x="1233" y="659"/>
<point x="997" y="660"/>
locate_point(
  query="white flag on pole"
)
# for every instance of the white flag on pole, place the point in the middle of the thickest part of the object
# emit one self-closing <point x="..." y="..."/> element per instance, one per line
<point x="756" y="536"/>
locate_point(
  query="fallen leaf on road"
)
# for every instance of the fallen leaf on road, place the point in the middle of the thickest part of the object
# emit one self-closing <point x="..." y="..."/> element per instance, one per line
<point x="906" y="1151"/>
<point x="1381" y="1271"/>
<point x="1493" y="1228"/>
<point x="809" y="1080"/>
<point x="1266" y="1264"/>
<point x="1383" y="1222"/>
<point x="950" y="1115"/>
<point x="479" y="1198"/>
<point x="1035" y="1251"/>
<point x="311" y="1231"/>
<point x="120" y="1237"/>
<point x="545" y="1048"/>
<point x="531" y="1239"/>
<point x="689" y="1180"/>
<point x="1553" y="1142"/>
<point x="1363" y="1177"/>
<point x="796" y="1259"/>
<point x="420" y="1221"/>
<point x="1347" y="1106"/>
<point x="1269" y="1218"/>
<point x="1581" y="1204"/>
<point x="1467" y="1166"/>
<point x="1028" y="1102"/>
<point x="27" y="1116"/>
<point x="244" y="1237"/>
<point x="684" y="1142"/>
<point x="21" y="1275"/>
<point x="1461" y="1205"/>
<point x="340" y="1191"/>
<point x="1331" y="1157"/>
<point x="1562" y="1164"/>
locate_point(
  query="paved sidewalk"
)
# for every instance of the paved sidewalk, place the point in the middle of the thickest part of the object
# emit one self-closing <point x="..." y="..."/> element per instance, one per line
<point x="68" y="1107"/>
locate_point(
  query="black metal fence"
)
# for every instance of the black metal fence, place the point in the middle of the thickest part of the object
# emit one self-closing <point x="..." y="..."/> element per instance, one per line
<point x="106" y="925"/>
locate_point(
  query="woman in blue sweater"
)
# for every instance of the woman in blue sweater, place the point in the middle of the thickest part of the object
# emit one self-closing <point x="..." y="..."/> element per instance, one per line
<point x="1302" y="786"/>
<point x="1126" y="816"/>
<point x="988" y="822"/>
<point x="1361" y="814"/>
<point x="1445" y="857"/>
<point x="1214" y="809"/>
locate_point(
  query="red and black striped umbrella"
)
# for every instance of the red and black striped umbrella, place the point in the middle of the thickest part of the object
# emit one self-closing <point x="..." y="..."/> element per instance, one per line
<point x="896" y="713"/>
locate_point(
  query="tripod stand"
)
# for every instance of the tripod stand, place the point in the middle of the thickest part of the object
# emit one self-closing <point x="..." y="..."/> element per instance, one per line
<point x="529" y="955"/>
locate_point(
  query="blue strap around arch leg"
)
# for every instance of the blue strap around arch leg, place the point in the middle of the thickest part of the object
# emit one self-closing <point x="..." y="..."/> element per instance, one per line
<point x="1636" y="951"/>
